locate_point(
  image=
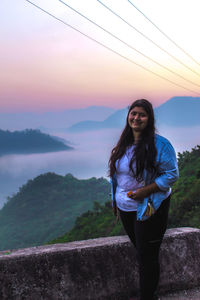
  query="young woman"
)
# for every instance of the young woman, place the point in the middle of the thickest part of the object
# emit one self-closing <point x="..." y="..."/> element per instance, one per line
<point x="142" y="168"/>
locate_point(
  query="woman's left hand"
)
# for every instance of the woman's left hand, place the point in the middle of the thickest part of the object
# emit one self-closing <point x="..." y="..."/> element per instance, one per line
<point x="139" y="194"/>
<point x="144" y="192"/>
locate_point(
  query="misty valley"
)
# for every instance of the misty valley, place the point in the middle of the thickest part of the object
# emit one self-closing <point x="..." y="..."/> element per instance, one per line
<point x="82" y="152"/>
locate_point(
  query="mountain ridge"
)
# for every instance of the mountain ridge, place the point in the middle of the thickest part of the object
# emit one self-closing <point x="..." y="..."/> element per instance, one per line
<point x="177" y="111"/>
<point x="62" y="119"/>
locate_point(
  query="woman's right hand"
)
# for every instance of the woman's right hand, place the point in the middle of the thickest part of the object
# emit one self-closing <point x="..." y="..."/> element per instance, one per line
<point x="115" y="212"/>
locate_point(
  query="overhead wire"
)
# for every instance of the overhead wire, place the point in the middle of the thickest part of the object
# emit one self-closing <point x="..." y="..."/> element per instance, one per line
<point x="146" y="37"/>
<point x="161" y="31"/>
<point x="110" y="49"/>
<point x="128" y="45"/>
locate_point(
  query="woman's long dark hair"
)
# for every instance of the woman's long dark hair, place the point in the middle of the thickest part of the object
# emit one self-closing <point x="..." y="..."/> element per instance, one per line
<point x="145" y="151"/>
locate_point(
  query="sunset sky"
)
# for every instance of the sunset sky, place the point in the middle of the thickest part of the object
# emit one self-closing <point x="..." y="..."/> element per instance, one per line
<point x="46" y="65"/>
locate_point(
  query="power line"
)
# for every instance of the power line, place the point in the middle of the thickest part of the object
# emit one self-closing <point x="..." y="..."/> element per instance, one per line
<point x="179" y="47"/>
<point x="146" y="37"/>
<point x="128" y="45"/>
<point x="110" y="49"/>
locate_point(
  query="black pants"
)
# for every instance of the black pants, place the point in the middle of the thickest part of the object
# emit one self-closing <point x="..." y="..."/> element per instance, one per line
<point x="147" y="237"/>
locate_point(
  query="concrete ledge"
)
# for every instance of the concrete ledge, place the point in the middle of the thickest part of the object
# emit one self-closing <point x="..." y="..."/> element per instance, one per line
<point x="103" y="268"/>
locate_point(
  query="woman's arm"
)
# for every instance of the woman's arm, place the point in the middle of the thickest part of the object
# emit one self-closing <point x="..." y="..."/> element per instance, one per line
<point x="113" y="182"/>
<point x="168" y="174"/>
<point x="167" y="168"/>
<point x="145" y="191"/>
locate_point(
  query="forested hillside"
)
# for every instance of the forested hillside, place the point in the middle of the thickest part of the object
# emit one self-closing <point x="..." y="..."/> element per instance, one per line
<point x="185" y="204"/>
<point x="184" y="209"/>
<point x="29" y="141"/>
<point x="47" y="207"/>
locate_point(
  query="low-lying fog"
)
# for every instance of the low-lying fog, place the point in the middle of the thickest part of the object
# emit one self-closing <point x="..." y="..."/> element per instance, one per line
<point x="88" y="159"/>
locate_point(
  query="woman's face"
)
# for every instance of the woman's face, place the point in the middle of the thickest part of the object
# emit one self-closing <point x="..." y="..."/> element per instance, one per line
<point x="138" y="119"/>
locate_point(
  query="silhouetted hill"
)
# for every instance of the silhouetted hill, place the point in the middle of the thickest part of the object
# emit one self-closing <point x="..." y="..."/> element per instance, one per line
<point x="29" y="141"/>
<point x="46" y="207"/>
<point x="178" y="112"/>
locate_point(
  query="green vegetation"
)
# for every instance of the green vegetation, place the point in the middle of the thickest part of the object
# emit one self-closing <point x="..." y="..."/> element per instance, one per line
<point x="184" y="209"/>
<point x="95" y="223"/>
<point x="50" y="205"/>
<point x="29" y="141"/>
<point x="47" y="207"/>
<point x="185" y="204"/>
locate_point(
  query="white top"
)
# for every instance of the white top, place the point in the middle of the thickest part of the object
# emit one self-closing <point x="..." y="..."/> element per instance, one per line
<point x="126" y="182"/>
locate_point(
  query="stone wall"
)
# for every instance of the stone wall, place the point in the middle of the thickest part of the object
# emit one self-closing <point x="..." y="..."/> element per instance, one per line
<point x="103" y="268"/>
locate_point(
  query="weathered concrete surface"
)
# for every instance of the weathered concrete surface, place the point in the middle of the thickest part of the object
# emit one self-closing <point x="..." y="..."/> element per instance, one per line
<point x="103" y="268"/>
<point x="180" y="259"/>
<point x="192" y="294"/>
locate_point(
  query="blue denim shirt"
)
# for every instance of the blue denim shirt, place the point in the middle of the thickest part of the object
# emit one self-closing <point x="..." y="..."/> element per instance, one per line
<point x="166" y="175"/>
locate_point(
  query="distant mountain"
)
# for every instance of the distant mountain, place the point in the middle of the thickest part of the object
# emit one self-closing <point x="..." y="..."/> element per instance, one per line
<point x="53" y="119"/>
<point x="47" y="207"/>
<point x="29" y="141"/>
<point x="178" y="112"/>
<point x="115" y="120"/>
